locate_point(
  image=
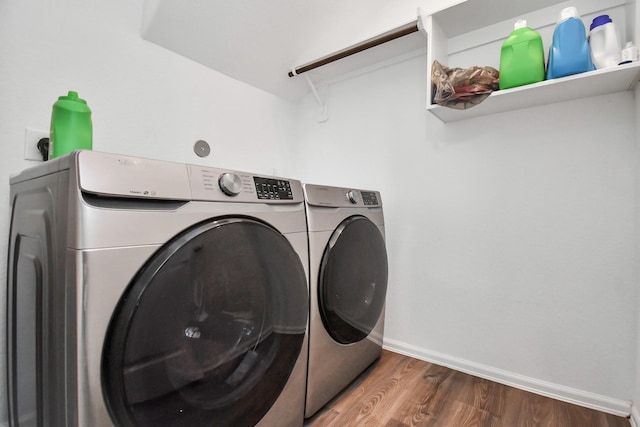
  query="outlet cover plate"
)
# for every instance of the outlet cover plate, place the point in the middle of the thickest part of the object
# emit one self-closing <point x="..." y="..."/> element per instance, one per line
<point x="31" y="138"/>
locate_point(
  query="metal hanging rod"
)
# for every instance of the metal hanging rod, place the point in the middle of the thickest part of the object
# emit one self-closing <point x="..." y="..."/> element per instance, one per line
<point x="407" y="29"/>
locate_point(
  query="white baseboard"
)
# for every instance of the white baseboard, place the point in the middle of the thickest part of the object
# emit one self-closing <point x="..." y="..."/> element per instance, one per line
<point x="544" y="388"/>
<point x="635" y="416"/>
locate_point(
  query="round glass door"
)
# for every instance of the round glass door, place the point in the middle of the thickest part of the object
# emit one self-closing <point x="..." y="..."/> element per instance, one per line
<point x="209" y="330"/>
<point x="352" y="285"/>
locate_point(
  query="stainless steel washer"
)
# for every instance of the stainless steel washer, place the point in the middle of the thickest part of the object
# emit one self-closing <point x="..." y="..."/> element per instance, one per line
<point x="150" y="293"/>
<point x="348" y="285"/>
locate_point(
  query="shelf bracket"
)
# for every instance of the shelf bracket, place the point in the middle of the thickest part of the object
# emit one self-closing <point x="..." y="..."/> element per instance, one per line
<point x="323" y="114"/>
<point x="422" y="22"/>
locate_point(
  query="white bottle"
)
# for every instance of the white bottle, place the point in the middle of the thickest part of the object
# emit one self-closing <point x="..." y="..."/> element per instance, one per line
<point x="629" y="53"/>
<point x="603" y="42"/>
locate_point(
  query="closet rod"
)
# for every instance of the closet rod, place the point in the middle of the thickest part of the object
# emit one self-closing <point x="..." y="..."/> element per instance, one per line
<point x="409" y="28"/>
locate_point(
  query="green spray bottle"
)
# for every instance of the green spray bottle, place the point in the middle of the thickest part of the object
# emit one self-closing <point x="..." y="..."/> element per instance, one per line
<point x="71" y="127"/>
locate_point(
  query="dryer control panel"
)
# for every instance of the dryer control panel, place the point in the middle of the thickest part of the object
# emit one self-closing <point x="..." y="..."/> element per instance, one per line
<point x="318" y="195"/>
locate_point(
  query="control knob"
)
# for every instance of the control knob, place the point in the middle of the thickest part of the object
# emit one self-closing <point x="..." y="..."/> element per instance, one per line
<point x="352" y="195"/>
<point x="230" y="184"/>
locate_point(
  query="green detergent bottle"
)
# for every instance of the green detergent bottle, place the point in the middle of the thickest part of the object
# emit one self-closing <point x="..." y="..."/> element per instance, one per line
<point x="71" y="127"/>
<point x="522" y="57"/>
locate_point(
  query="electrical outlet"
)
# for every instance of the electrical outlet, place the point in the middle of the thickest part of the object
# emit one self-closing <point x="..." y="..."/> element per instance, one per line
<point x="31" y="138"/>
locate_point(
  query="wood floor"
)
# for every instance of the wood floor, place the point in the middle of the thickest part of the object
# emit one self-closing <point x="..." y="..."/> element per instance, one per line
<point x="399" y="391"/>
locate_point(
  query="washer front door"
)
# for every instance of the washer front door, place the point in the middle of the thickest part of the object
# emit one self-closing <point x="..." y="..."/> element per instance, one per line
<point x="352" y="284"/>
<point x="209" y="330"/>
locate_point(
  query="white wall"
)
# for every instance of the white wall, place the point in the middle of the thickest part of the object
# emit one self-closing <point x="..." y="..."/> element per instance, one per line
<point x="146" y="101"/>
<point x="510" y="237"/>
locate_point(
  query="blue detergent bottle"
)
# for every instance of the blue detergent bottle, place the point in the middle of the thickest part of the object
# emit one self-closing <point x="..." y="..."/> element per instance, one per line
<point x="569" y="53"/>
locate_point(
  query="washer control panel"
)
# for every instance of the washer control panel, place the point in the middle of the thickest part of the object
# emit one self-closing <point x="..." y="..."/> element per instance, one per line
<point x="115" y="175"/>
<point x="215" y="184"/>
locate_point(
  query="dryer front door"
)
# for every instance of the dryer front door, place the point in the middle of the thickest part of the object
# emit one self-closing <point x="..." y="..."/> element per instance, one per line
<point x="352" y="283"/>
<point x="209" y="330"/>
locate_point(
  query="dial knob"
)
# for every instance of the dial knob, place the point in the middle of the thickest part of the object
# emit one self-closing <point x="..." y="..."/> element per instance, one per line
<point x="230" y="184"/>
<point x="352" y="195"/>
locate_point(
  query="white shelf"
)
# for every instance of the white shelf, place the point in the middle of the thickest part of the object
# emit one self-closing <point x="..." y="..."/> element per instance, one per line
<point x="593" y="83"/>
<point x="457" y="41"/>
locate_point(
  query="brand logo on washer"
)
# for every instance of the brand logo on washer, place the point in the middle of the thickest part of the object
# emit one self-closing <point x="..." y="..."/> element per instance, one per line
<point x="143" y="192"/>
<point x="136" y="163"/>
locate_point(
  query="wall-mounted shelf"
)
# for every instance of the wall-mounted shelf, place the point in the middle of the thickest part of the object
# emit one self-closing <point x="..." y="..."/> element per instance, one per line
<point x="599" y="82"/>
<point x="457" y="41"/>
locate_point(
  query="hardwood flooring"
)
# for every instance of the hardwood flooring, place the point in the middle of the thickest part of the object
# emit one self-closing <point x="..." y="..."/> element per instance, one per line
<point x="400" y="391"/>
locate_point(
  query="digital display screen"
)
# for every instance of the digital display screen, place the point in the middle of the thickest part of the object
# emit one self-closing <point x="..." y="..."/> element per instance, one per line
<point x="273" y="189"/>
<point x="369" y="198"/>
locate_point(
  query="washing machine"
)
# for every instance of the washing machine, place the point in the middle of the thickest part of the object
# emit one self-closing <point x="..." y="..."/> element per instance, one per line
<point x="348" y="285"/>
<point x="152" y="293"/>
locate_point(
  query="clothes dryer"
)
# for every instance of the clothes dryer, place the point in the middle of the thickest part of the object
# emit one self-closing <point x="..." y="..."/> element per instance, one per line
<point x="348" y="285"/>
<point x="151" y="293"/>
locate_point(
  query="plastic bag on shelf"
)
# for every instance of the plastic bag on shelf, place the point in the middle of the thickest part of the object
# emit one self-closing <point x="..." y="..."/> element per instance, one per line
<point x="462" y="88"/>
